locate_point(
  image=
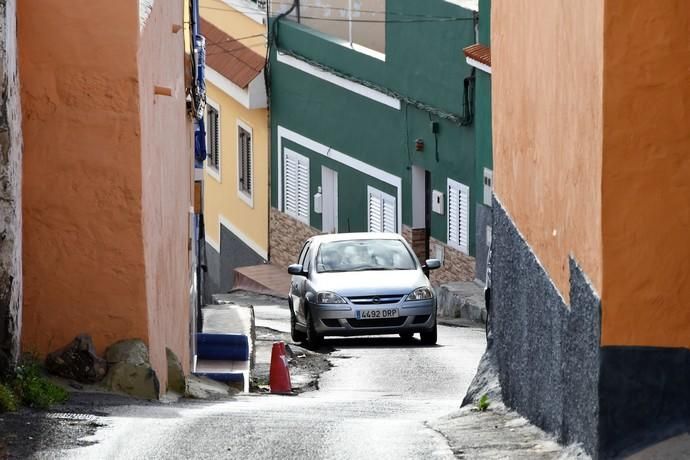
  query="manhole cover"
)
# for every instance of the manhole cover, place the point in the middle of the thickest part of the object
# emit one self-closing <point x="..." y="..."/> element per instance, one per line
<point x="72" y="416"/>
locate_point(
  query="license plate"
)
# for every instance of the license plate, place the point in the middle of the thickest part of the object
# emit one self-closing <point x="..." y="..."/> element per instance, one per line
<point x="377" y="314"/>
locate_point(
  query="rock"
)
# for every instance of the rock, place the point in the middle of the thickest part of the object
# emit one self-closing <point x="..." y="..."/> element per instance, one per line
<point x="176" y="379"/>
<point x="138" y="380"/>
<point x="205" y="388"/>
<point x="77" y="361"/>
<point x="485" y="381"/>
<point x="132" y="351"/>
<point x="130" y="370"/>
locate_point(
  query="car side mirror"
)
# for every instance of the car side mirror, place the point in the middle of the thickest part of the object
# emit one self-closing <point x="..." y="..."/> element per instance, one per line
<point x="295" y="269"/>
<point x="432" y="264"/>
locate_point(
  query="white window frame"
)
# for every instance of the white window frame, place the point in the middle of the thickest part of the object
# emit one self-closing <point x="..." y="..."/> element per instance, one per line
<point x="385" y="197"/>
<point x="210" y="170"/>
<point x="463" y="241"/>
<point x="248" y="198"/>
<point x="303" y="217"/>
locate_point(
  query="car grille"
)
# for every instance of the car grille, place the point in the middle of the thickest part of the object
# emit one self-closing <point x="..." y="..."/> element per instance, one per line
<point x="331" y="322"/>
<point x="378" y="322"/>
<point x="420" y="319"/>
<point x="375" y="299"/>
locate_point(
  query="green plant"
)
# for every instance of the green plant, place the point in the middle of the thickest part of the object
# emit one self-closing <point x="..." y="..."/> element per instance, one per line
<point x="483" y="403"/>
<point x="33" y="388"/>
<point x="8" y="401"/>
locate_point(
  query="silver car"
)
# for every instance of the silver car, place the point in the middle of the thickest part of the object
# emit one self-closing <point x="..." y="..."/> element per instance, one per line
<point x="350" y="284"/>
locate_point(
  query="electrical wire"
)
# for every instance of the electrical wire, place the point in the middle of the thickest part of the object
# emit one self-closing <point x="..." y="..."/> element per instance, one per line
<point x="394" y="13"/>
<point x="230" y="52"/>
<point x="414" y="18"/>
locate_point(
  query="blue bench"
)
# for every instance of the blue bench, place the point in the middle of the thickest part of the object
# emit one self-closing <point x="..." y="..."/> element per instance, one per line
<point x="223" y="357"/>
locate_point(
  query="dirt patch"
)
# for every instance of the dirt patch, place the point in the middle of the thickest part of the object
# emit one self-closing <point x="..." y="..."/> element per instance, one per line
<point x="305" y="366"/>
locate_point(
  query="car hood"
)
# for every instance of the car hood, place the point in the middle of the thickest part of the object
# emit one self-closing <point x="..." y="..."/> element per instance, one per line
<point x="384" y="282"/>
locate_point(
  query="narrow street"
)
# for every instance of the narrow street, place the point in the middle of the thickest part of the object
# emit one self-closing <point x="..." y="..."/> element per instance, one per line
<point x="373" y="403"/>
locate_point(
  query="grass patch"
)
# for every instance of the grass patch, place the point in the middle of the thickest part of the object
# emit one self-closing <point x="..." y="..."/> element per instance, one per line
<point x="483" y="403"/>
<point x="30" y="387"/>
<point x="8" y="401"/>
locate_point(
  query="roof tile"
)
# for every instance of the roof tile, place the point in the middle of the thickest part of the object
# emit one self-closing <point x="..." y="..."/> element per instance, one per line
<point x="480" y="53"/>
<point x="229" y="57"/>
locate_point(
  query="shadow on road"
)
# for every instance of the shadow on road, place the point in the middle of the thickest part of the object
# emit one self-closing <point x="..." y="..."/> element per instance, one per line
<point x="331" y="344"/>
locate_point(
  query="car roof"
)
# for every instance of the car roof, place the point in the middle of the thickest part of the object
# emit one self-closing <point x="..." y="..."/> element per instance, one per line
<point x="355" y="236"/>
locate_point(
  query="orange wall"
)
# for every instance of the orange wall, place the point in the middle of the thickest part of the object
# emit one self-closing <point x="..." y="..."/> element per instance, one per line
<point x="166" y="167"/>
<point x="83" y="250"/>
<point x="646" y="173"/>
<point x="547" y="77"/>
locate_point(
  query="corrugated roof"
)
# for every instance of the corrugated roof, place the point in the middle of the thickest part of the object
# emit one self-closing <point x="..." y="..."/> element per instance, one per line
<point x="480" y="53"/>
<point x="229" y="57"/>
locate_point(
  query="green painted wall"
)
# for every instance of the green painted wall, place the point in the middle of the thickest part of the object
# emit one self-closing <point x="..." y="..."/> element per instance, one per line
<point x="483" y="102"/>
<point x="424" y="62"/>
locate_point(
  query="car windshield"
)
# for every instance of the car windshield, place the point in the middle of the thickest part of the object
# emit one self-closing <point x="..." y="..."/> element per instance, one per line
<point x="361" y="255"/>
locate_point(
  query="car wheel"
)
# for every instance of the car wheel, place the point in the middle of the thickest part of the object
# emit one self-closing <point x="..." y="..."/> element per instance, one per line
<point x="429" y="337"/>
<point x="313" y="339"/>
<point x="406" y="336"/>
<point x="297" y="336"/>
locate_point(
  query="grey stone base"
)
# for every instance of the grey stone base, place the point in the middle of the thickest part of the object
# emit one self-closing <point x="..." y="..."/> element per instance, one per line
<point x="547" y="352"/>
<point x="461" y="300"/>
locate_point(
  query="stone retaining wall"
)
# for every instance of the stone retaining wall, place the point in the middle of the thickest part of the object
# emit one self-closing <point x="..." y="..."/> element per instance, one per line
<point x="456" y="266"/>
<point x="286" y="236"/>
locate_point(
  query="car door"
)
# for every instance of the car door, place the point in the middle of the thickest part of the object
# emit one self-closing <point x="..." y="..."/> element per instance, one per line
<point x="297" y="285"/>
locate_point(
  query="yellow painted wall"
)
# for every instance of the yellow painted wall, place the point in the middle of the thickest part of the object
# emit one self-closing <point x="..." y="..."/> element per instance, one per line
<point x="222" y="198"/>
<point x="234" y="23"/>
<point x="646" y="173"/>
<point x="547" y="137"/>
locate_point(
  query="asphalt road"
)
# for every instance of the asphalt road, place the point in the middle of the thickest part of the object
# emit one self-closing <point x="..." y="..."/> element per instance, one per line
<point x="372" y="404"/>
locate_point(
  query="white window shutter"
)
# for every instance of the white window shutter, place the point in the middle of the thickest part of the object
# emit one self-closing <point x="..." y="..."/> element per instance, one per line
<point x="389" y="214"/>
<point x="458" y="216"/>
<point x="375" y="223"/>
<point x="296" y="182"/>
<point x="382" y="211"/>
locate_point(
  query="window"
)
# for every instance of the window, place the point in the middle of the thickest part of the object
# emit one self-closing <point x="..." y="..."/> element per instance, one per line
<point x="303" y="253"/>
<point x="458" y="216"/>
<point x="296" y="182"/>
<point x="213" y="140"/>
<point x="382" y="215"/>
<point x="245" y="161"/>
<point x="360" y="255"/>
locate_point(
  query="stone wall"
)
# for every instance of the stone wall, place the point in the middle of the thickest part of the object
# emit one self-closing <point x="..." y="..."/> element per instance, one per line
<point x="547" y="352"/>
<point x="456" y="266"/>
<point x="10" y="189"/>
<point x="286" y="238"/>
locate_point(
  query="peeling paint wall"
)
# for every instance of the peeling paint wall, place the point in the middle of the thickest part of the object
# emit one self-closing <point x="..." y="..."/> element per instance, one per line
<point x="10" y="189"/>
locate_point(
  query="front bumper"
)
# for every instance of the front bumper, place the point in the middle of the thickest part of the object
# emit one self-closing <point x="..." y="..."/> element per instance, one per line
<point x="341" y="320"/>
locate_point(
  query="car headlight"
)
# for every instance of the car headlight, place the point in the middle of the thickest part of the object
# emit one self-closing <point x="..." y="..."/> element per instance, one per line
<point x="421" y="293"/>
<point x="328" y="298"/>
